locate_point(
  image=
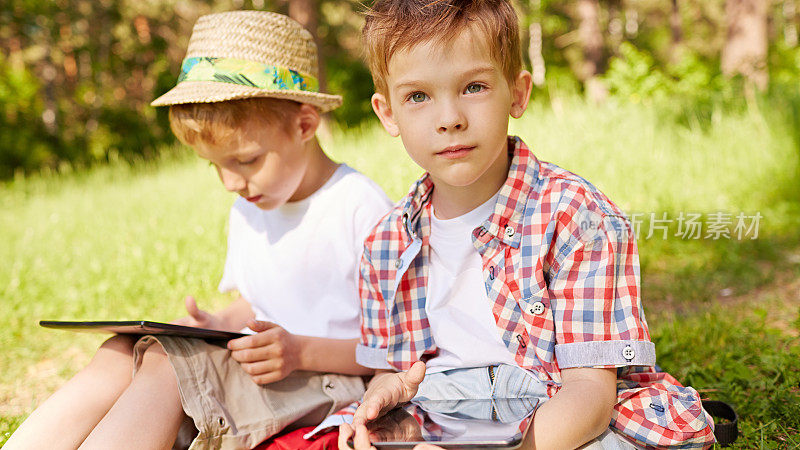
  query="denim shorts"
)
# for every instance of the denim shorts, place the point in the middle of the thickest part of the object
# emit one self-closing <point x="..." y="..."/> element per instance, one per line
<point x="229" y="411"/>
<point x="501" y="382"/>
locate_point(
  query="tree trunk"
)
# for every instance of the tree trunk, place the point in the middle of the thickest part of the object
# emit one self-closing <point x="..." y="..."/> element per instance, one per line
<point x="675" y="24"/>
<point x="615" y="25"/>
<point x="591" y="39"/>
<point x="745" y="50"/>
<point x="631" y="22"/>
<point x="676" y="27"/>
<point x="306" y="14"/>
<point x="536" y="43"/>
<point x="538" y="69"/>
<point x="789" y="25"/>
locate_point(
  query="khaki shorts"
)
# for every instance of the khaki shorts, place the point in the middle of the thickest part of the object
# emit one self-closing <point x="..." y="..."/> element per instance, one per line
<point x="229" y="410"/>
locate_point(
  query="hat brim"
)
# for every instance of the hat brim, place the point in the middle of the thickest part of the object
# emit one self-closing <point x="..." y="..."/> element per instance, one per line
<point x="213" y="91"/>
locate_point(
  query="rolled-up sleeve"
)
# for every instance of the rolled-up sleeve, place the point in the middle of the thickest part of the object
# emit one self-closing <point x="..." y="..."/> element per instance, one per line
<point x="594" y="292"/>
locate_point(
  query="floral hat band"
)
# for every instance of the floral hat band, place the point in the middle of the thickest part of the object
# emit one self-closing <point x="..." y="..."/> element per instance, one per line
<point x="246" y="73"/>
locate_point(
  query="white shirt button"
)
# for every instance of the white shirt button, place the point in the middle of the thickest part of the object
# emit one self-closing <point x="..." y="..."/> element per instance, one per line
<point x="398" y="263"/>
<point x="510" y="231"/>
<point x="538" y="308"/>
<point x="628" y="353"/>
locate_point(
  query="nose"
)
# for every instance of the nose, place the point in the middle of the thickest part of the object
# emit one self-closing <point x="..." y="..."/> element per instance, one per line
<point x="451" y="118"/>
<point x="232" y="181"/>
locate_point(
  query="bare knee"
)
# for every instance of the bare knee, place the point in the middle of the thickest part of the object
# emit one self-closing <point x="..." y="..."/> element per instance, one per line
<point x="155" y="359"/>
<point x="119" y="347"/>
<point x="114" y="356"/>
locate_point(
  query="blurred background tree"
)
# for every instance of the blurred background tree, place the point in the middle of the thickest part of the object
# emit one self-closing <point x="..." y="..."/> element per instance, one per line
<point x="77" y="76"/>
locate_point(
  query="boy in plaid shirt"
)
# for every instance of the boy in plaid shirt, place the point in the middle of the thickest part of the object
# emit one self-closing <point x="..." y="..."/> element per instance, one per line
<point x="500" y="275"/>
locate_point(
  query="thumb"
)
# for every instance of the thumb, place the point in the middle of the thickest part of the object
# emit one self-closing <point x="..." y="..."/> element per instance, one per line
<point x="414" y="376"/>
<point x="259" y="325"/>
<point x="192" y="309"/>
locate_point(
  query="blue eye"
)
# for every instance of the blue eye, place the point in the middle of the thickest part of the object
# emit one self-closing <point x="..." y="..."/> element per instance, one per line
<point x="418" y="97"/>
<point x="473" y="88"/>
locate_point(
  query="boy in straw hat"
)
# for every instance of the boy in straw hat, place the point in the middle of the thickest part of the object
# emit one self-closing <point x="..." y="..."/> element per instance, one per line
<point x="248" y="102"/>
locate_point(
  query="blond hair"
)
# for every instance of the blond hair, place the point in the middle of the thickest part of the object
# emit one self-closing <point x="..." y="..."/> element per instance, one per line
<point x="393" y="25"/>
<point x="218" y="123"/>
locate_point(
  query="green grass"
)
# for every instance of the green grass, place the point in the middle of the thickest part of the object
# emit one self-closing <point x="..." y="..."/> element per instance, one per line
<point x="120" y="242"/>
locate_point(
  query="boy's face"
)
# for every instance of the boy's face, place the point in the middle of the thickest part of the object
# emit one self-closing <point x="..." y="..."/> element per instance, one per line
<point x="450" y="104"/>
<point x="264" y="163"/>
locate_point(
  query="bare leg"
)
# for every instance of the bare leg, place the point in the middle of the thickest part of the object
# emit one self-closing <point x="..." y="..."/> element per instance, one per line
<point x="69" y="415"/>
<point x="148" y="414"/>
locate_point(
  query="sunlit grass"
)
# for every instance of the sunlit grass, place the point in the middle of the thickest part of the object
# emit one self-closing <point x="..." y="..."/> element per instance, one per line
<point x="125" y="242"/>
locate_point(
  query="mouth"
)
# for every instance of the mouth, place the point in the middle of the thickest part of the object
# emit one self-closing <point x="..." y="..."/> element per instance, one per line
<point x="455" y="151"/>
<point x="253" y="199"/>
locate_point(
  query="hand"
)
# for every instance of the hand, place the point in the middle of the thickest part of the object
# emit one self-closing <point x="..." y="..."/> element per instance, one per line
<point x="199" y="318"/>
<point x="387" y="391"/>
<point x="360" y="440"/>
<point x="398" y="425"/>
<point x="269" y="355"/>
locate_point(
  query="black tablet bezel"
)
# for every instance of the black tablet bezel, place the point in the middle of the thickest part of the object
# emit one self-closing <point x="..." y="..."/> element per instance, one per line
<point x="141" y="327"/>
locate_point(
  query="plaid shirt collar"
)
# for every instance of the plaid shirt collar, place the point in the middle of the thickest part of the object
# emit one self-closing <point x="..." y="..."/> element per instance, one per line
<point x="505" y="223"/>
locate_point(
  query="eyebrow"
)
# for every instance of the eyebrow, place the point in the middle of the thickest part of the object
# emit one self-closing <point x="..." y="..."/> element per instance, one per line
<point x="480" y="70"/>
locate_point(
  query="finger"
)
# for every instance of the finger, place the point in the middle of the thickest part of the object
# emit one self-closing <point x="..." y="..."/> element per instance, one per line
<point x="254" y="354"/>
<point x="260" y="325"/>
<point x="361" y="439"/>
<point x="262" y="367"/>
<point x="267" y="378"/>
<point x="427" y="447"/>
<point x="345" y="431"/>
<point x="365" y="412"/>
<point x="370" y="410"/>
<point x="258" y="340"/>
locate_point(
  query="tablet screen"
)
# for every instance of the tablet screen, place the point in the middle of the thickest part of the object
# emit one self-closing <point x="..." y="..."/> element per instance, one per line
<point x="489" y="423"/>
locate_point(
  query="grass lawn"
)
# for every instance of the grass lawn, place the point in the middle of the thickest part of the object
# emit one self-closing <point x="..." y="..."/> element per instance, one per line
<point x="123" y="242"/>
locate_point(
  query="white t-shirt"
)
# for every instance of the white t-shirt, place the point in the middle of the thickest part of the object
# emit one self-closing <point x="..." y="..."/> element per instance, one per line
<point x="297" y="264"/>
<point x="459" y="310"/>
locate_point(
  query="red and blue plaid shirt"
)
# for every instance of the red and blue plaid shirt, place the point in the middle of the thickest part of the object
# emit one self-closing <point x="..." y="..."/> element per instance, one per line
<point x="561" y="268"/>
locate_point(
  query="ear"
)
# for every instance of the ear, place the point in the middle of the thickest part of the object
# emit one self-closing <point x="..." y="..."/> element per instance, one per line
<point x="382" y="108"/>
<point x="520" y="93"/>
<point x="307" y="121"/>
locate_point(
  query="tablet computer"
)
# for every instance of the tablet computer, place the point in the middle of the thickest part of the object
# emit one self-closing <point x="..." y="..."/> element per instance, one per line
<point x="142" y="327"/>
<point x="455" y="424"/>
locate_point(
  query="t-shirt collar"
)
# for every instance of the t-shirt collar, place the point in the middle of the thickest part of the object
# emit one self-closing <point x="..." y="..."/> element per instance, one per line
<point x="505" y="223"/>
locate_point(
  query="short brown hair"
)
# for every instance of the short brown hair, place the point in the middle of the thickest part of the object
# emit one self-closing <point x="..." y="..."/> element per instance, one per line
<point x="217" y="123"/>
<point x="393" y="25"/>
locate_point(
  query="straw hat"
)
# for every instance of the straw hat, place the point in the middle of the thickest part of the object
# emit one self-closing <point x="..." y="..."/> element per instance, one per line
<point x="245" y="54"/>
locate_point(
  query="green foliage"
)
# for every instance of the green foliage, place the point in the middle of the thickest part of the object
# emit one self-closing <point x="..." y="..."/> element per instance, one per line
<point x="634" y="75"/>
<point x="21" y="127"/>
